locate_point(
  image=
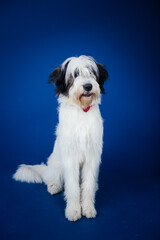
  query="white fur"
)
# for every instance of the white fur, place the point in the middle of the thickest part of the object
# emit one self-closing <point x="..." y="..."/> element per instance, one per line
<point x="74" y="162"/>
<point x="84" y="63"/>
<point x="29" y="173"/>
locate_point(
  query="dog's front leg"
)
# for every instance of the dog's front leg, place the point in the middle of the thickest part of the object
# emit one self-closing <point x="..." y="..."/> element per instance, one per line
<point x="89" y="186"/>
<point x="72" y="189"/>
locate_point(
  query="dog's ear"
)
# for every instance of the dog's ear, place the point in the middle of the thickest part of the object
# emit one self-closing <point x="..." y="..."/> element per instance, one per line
<point x="58" y="78"/>
<point x="103" y="76"/>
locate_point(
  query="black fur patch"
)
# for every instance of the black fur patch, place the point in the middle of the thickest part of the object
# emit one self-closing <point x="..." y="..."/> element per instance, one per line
<point x="103" y="75"/>
<point x="76" y="72"/>
<point x="58" y="78"/>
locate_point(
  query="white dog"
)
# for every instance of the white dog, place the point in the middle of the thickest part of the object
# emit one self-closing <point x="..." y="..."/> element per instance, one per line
<point x="74" y="162"/>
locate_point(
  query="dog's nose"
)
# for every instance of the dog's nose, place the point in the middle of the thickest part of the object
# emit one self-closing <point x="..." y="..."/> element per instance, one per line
<point x="87" y="87"/>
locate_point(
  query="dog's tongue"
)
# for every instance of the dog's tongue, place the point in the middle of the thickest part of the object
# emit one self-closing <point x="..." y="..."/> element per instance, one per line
<point x="86" y="109"/>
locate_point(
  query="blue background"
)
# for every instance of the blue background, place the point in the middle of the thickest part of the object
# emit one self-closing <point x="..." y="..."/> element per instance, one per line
<point x="36" y="36"/>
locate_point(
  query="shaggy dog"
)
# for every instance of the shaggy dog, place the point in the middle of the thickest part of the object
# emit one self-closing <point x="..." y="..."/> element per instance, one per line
<point x="74" y="162"/>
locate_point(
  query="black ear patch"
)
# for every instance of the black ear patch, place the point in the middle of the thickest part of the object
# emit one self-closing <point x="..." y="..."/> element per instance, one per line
<point x="103" y="76"/>
<point x="58" y="78"/>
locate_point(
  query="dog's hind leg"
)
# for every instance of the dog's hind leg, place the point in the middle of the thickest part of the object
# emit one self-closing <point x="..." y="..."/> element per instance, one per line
<point x="52" y="176"/>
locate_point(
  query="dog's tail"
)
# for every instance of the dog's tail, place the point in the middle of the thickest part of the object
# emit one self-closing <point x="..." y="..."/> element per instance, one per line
<point x="30" y="173"/>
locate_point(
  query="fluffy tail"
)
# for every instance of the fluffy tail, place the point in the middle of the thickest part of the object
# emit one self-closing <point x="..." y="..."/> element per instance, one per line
<point x="30" y="173"/>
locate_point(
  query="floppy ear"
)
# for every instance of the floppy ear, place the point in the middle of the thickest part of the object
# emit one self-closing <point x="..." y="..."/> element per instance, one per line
<point x="103" y="75"/>
<point x="58" y="78"/>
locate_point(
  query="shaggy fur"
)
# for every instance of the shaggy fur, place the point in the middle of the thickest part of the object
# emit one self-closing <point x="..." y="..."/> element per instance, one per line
<point x="74" y="162"/>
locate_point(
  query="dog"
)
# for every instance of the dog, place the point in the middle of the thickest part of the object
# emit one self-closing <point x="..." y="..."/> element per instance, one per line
<point x="74" y="162"/>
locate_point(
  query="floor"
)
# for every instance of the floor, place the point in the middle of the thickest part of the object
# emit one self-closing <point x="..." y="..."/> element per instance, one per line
<point x="128" y="208"/>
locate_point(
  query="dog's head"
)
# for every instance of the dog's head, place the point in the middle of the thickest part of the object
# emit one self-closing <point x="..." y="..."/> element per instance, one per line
<point x="80" y="79"/>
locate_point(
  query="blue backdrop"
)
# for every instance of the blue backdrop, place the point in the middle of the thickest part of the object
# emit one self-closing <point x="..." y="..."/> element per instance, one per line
<point x="36" y="36"/>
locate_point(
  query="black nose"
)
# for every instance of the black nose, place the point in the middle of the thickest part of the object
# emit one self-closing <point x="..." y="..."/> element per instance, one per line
<point x="87" y="87"/>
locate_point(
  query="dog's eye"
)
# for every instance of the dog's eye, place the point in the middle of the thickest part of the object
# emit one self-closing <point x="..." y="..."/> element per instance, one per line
<point x="76" y="72"/>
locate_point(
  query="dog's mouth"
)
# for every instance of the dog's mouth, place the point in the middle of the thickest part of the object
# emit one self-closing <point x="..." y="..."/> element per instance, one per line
<point x="87" y="95"/>
<point x="86" y="98"/>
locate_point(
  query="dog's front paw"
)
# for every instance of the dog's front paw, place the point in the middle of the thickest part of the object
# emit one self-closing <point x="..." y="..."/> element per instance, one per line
<point x="89" y="211"/>
<point x="73" y="213"/>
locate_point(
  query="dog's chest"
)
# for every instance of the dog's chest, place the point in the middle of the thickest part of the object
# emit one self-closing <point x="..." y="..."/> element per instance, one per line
<point x="82" y="131"/>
